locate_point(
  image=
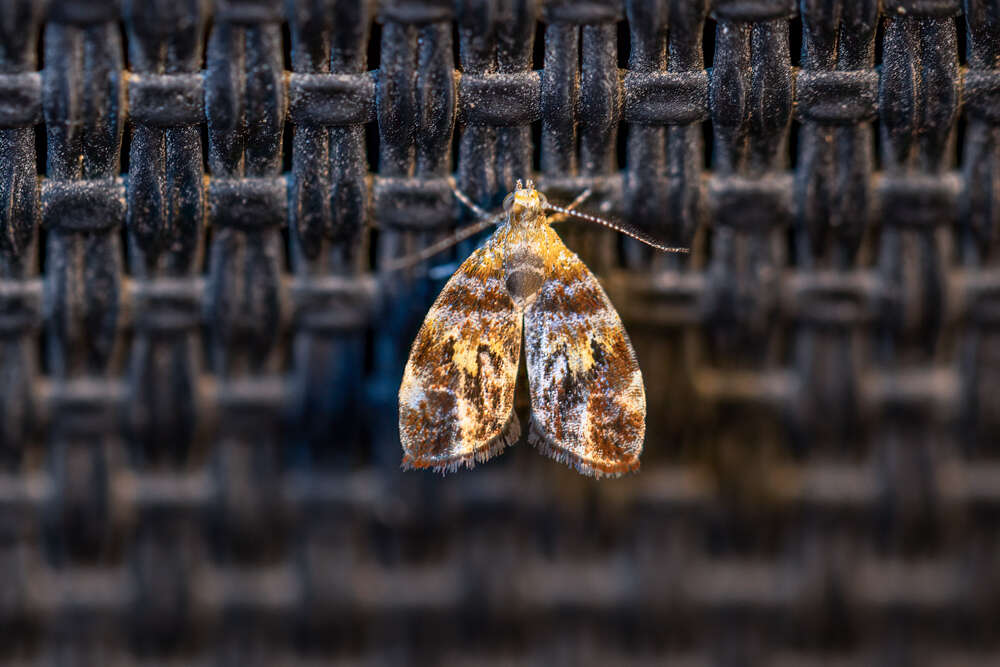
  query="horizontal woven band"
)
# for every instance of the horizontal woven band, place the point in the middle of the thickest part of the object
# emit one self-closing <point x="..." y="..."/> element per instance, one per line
<point x="501" y="99"/>
<point x="166" y="100"/>
<point x="86" y="205"/>
<point x="837" y="98"/>
<point x="20" y="99"/>
<point x="331" y="99"/>
<point x="247" y="203"/>
<point x="666" y="98"/>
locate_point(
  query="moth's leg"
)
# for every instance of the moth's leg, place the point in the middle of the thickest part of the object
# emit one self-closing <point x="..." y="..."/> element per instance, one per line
<point x="416" y="258"/>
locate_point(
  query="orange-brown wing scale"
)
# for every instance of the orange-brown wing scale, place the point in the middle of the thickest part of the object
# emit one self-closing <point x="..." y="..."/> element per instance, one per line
<point x="587" y="400"/>
<point x="457" y="396"/>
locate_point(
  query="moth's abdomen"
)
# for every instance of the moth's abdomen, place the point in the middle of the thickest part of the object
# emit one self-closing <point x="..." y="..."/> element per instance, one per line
<point x="525" y="273"/>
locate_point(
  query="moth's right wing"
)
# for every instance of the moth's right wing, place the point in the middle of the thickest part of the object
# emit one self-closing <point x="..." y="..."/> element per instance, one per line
<point x="588" y="405"/>
<point x="456" y="402"/>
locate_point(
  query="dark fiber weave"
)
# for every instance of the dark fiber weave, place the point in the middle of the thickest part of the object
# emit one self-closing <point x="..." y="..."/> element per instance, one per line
<point x="198" y="366"/>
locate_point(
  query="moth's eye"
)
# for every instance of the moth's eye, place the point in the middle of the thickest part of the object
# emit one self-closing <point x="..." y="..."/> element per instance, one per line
<point x="543" y="201"/>
<point x="508" y="201"/>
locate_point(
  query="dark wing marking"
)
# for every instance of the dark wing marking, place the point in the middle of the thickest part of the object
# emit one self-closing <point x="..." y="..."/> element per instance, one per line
<point x="587" y="400"/>
<point x="457" y="396"/>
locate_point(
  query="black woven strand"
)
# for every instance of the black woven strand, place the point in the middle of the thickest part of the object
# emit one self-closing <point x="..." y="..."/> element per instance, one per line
<point x="199" y="356"/>
<point x="331" y="98"/>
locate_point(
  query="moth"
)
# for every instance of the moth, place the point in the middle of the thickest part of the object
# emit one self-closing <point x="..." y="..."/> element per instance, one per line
<point x="524" y="287"/>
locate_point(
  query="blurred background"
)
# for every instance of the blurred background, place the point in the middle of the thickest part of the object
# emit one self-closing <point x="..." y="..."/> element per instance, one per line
<point x="200" y="356"/>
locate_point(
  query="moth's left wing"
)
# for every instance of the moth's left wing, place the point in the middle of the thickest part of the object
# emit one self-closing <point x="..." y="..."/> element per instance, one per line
<point x="588" y="406"/>
<point x="456" y="402"/>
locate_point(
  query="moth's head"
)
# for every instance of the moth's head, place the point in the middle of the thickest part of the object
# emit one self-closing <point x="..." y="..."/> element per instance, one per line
<point x="525" y="201"/>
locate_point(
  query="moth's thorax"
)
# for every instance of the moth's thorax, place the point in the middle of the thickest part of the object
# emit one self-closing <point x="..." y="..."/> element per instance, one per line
<point x="523" y="217"/>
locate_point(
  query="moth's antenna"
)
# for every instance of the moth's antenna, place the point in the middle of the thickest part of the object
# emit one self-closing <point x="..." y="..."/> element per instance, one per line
<point x="462" y="197"/>
<point x="486" y="220"/>
<point x="580" y="198"/>
<point x="627" y="230"/>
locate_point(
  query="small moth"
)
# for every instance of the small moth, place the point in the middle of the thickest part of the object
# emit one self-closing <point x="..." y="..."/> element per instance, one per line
<point x="588" y="405"/>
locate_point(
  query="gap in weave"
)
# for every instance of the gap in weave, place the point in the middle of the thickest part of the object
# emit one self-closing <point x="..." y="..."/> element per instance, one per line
<point x="126" y="147"/>
<point x="876" y="145"/>
<point x="208" y="233"/>
<point x="538" y="47"/>
<point x="372" y="140"/>
<point x="368" y="353"/>
<point x="40" y="48"/>
<point x="536" y="143"/>
<point x="456" y="46"/>
<point x="286" y="131"/>
<point x="961" y="126"/>
<point x="456" y="133"/>
<point x="375" y="46"/>
<point x="121" y="353"/>
<point x="373" y="144"/>
<point x="795" y="40"/>
<point x="123" y="35"/>
<point x="791" y="257"/>
<point x="456" y="144"/>
<point x="206" y="345"/>
<point x="286" y="248"/>
<point x="624" y="44"/>
<point x="286" y="46"/>
<point x="43" y="351"/>
<point x="286" y="146"/>
<point x="621" y="146"/>
<point x="708" y="41"/>
<point x="537" y="64"/>
<point x="371" y="251"/>
<point x="123" y="241"/>
<point x="963" y="40"/>
<point x="791" y="260"/>
<point x="203" y="128"/>
<point x="707" y="143"/>
<point x="879" y="40"/>
<point x="283" y="352"/>
<point x="792" y="145"/>
<point x="41" y="239"/>
<point x="209" y="25"/>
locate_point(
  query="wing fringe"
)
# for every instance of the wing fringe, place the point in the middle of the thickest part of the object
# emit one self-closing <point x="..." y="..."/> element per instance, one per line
<point x="541" y="442"/>
<point x="508" y="436"/>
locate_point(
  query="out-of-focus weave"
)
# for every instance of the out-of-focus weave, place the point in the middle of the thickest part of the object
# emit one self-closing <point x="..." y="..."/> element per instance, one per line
<point x="199" y="358"/>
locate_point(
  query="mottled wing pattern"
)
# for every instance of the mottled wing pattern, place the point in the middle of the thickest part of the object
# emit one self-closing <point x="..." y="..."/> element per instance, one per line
<point x="587" y="400"/>
<point x="457" y="396"/>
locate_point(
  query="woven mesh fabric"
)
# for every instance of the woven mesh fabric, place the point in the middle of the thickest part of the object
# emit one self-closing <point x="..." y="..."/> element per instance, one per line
<point x="199" y="357"/>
